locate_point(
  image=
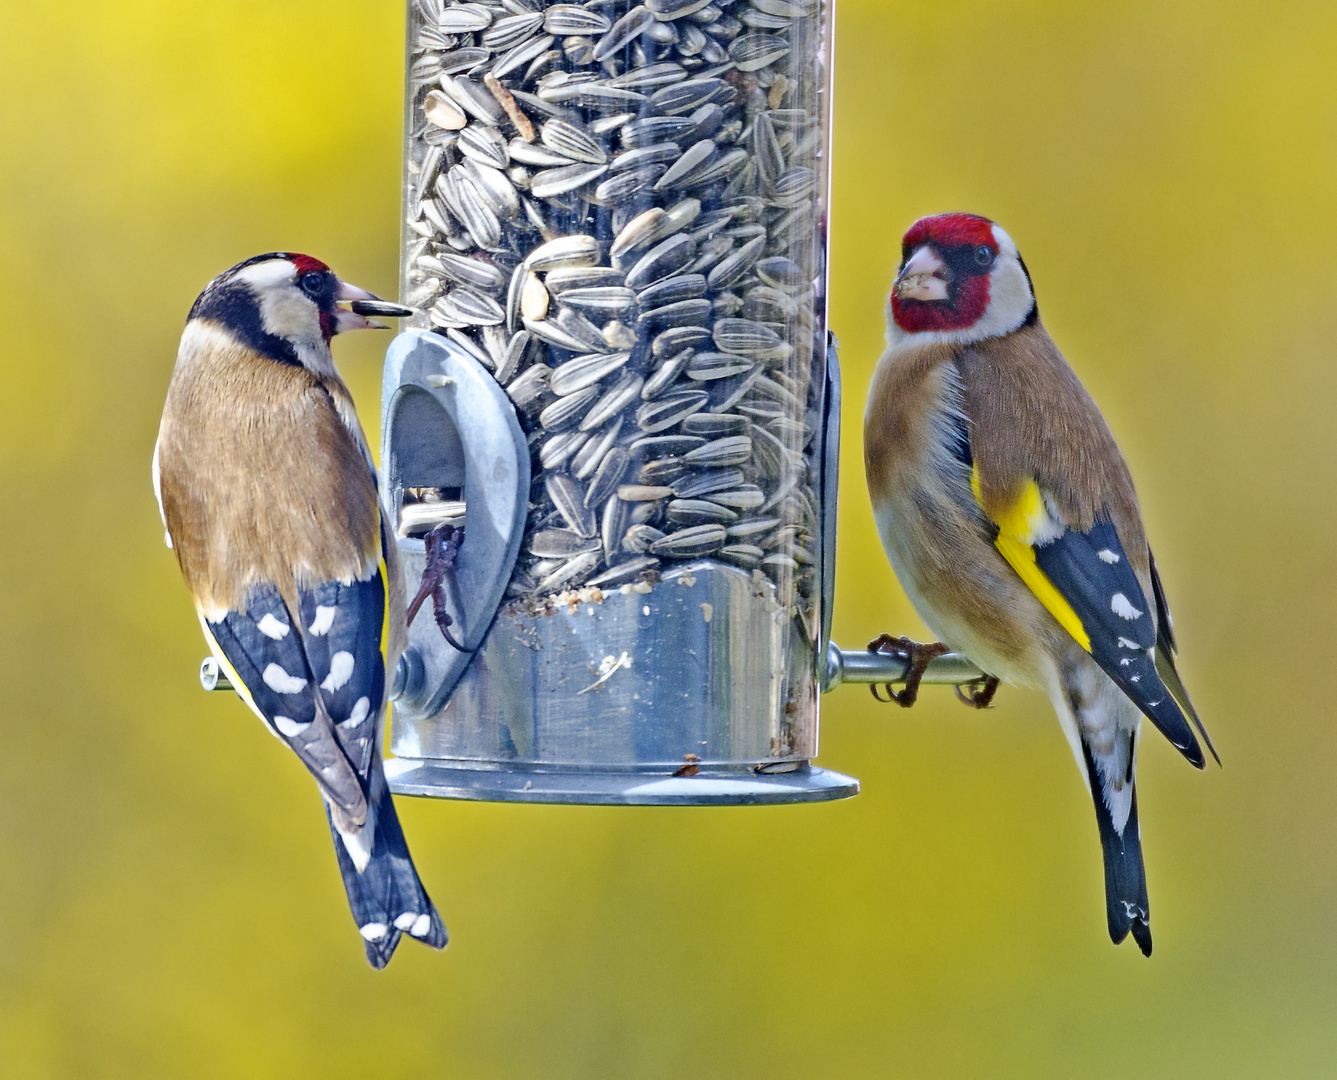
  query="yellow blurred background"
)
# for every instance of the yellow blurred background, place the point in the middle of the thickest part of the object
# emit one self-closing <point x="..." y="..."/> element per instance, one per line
<point x="169" y="904"/>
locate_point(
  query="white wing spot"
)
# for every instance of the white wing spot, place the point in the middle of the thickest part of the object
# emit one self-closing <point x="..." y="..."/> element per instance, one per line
<point x="406" y="920"/>
<point x="421" y="925"/>
<point x="341" y="670"/>
<point x="360" y="709"/>
<point x="290" y="727"/>
<point x="323" y="621"/>
<point x="281" y="682"/>
<point x="1105" y="555"/>
<point x="1122" y="607"/>
<point x="374" y="931"/>
<point x="1124" y="643"/>
<point x="272" y="628"/>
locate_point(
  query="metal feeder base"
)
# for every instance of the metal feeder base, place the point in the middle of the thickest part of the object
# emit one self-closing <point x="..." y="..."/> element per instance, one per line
<point x="718" y="788"/>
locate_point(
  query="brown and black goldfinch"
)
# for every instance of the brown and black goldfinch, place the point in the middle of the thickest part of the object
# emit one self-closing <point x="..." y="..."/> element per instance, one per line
<point x="1009" y="516"/>
<point x="269" y="496"/>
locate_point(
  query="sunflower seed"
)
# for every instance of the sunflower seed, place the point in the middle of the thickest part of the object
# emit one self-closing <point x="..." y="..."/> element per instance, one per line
<point x="781" y="273"/>
<point x="530" y="385"/>
<point x="607" y="478"/>
<point x="565" y="278"/>
<point x="714" y="425"/>
<point x="642" y="493"/>
<point x="472" y="307"/>
<point x="615" y="399"/>
<point x="685" y="96"/>
<point x="463" y="59"/>
<point x="599" y="300"/>
<point x="698" y="512"/>
<point x="564" y="251"/>
<point x="651" y="75"/>
<point x="671" y="290"/>
<point x="464" y="19"/>
<point x="708" y="366"/>
<point x="655" y="446"/>
<point x="550" y="182"/>
<point x="674" y="9"/>
<point x="465" y="270"/>
<point x="484" y="144"/>
<point x="533" y="298"/>
<point x="750" y="339"/>
<point x="706" y="482"/>
<point x="443" y="112"/>
<point x="623" y="186"/>
<point x="733" y="267"/>
<point x="638" y="539"/>
<point x="580" y="329"/>
<point x="558" y="448"/>
<point x="572" y="141"/>
<point x="493" y="187"/>
<point x="472" y="98"/>
<point x="533" y="154"/>
<point x="747" y="556"/>
<point x="665" y="375"/>
<point x="568" y="495"/>
<point x="655" y="154"/>
<point x="571" y="573"/>
<point x="591" y="455"/>
<point x="730" y="450"/>
<point x="631" y="25"/>
<point x="560" y="544"/>
<point x="691" y="160"/>
<point x="585" y="370"/>
<point x="686" y="543"/>
<point x="753" y="527"/>
<point x="572" y="19"/>
<point x="795" y="186"/>
<point x="650" y="130"/>
<point x="613" y="525"/>
<point x="754" y="51"/>
<point x="511" y="31"/>
<point x="678" y="337"/>
<point x="566" y="410"/>
<point x="547" y="330"/>
<point x="665" y="258"/>
<point x="746" y="497"/>
<point x="623" y="573"/>
<point x="510" y="363"/>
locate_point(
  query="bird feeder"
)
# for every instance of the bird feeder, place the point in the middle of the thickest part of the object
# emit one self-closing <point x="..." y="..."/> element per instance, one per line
<point x="621" y="387"/>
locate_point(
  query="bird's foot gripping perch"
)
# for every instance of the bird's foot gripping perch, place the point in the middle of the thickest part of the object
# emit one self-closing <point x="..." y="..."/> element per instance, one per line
<point x="978" y="695"/>
<point x="916" y="654"/>
<point x="443" y="544"/>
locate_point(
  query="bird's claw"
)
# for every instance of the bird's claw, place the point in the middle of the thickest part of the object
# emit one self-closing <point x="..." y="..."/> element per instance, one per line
<point x="443" y="544"/>
<point x="981" y="693"/>
<point x="916" y="654"/>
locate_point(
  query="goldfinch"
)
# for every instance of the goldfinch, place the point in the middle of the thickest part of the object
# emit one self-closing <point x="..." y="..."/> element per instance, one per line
<point x="1009" y="517"/>
<point x="269" y="497"/>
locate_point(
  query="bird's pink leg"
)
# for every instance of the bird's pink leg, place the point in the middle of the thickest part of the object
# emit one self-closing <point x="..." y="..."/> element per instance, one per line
<point x="981" y="693"/>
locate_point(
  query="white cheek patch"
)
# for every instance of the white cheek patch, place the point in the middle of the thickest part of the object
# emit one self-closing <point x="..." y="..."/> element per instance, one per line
<point x="341" y="670"/>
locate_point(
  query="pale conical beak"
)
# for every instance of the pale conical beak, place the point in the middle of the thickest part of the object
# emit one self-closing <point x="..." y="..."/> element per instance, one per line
<point x="923" y="277"/>
<point x="361" y="304"/>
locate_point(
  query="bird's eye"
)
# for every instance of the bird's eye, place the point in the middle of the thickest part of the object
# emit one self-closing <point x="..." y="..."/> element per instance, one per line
<point x="983" y="255"/>
<point x="312" y="283"/>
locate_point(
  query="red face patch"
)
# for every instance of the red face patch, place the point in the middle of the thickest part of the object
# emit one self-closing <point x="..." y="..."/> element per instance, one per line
<point x="305" y="263"/>
<point x="956" y="239"/>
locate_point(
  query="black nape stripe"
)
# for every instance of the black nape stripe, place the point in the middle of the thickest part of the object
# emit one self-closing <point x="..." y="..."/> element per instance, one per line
<point x="233" y="304"/>
<point x="1032" y="316"/>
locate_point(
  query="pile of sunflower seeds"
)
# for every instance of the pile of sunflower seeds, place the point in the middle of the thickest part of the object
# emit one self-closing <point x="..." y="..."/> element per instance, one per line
<point x="616" y="209"/>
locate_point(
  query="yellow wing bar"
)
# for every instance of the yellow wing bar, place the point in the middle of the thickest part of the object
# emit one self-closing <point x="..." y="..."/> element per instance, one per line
<point x="1018" y="528"/>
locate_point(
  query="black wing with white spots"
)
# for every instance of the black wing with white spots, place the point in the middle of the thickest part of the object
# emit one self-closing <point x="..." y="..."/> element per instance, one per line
<point x="1091" y="570"/>
<point x="266" y="654"/>
<point x="342" y="627"/>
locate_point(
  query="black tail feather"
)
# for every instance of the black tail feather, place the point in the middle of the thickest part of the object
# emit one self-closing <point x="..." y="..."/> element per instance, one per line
<point x="387" y="898"/>
<point x="1125" y="875"/>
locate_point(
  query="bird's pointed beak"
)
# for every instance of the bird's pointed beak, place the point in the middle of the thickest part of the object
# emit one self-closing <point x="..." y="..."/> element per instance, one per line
<point x="360" y="305"/>
<point x="924" y="277"/>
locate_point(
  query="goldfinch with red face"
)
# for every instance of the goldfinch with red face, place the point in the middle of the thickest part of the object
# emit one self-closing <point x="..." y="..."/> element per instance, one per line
<point x="1009" y="516"/>
<point x="269" y="496"/>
